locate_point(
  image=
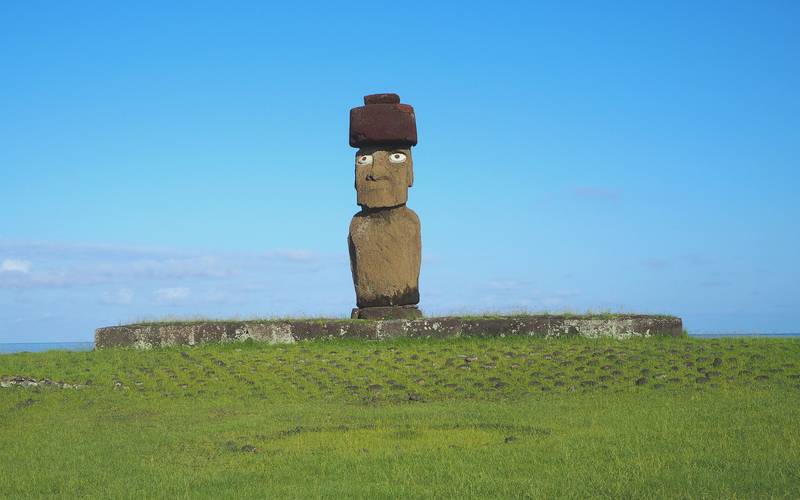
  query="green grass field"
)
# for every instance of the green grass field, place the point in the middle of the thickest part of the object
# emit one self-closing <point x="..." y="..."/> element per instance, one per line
<point x="502" y="417"/>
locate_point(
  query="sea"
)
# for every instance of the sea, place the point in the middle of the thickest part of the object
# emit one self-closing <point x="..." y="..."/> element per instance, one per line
<point x="14" y="347"/>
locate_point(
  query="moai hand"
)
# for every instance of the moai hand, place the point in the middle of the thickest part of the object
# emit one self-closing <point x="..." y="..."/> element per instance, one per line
<point x="384" y="240"/>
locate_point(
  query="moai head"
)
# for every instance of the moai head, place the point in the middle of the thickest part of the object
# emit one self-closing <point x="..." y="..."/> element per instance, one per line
<point x="384" y="131"/>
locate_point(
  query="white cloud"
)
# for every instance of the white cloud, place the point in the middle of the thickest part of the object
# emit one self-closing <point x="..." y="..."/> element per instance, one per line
<point x="293" y="255"/>
<point x="193" y="267"/>
<point x="172" y="295"/>
<point x="656" y="263"/>
<point x="66" y="265"/>
<point x="15" y="266"/>
<point x="516" y="295"/>
<point x="665" y="262"/>
<point x="507" y="285"/>
<point x="123" y="296"/>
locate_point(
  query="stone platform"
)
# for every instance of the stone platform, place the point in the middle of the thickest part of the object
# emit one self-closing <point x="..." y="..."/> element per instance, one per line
<point x="162" y="334"/>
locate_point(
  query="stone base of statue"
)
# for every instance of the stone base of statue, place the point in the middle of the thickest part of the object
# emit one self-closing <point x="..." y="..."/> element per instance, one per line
<point x="543" y="326"/>
<point x="389" y="312"/>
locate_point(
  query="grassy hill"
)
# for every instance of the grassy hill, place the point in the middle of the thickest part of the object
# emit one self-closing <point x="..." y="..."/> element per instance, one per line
<point x="496" y="417"/>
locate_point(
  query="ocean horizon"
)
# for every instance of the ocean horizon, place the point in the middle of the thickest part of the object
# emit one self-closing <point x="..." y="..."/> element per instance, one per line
<point x="14" y="347"/>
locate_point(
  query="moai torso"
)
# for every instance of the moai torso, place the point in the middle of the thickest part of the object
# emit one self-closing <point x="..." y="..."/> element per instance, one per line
<point x="384" y="239"/>
<point x="385" y="249"/>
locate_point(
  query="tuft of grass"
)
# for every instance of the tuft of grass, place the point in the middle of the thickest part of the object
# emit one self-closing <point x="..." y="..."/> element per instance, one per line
<point x="493" y="417"/>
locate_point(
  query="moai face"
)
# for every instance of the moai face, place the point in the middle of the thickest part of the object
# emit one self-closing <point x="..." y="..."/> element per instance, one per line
<point x="383" y="176"/>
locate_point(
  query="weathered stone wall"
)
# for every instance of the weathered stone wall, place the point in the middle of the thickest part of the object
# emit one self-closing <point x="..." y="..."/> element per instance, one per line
<point x="145" y="336"/>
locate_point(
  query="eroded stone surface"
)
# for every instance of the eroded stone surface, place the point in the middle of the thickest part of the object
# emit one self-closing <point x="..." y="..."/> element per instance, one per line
<point x="383" y="120"/>
<point x="383" y="176"/>
<point x="160" y="335"/>
<point x="397" y="312"/>
<point x="385" y="256"/>
<point x="22" y="381"/>
<point x="384" y="238"/>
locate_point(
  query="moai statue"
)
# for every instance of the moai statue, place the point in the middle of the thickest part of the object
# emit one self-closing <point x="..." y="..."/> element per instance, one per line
<point x="384" y="240"/>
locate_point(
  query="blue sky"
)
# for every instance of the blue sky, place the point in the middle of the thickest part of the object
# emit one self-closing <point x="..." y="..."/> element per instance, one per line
<point x="180" y="159"/>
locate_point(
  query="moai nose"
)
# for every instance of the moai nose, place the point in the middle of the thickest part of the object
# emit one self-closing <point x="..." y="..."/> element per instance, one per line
<point x="380" y="166"/>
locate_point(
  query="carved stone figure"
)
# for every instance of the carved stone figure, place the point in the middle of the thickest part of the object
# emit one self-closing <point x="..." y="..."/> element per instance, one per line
<point x="384" y="240"/>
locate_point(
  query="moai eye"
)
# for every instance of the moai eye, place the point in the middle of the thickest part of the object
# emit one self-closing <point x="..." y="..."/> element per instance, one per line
<point x="397" y="157"/>
<point x="364" y="160"/>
